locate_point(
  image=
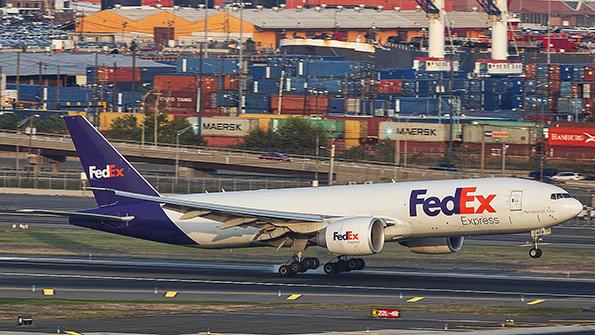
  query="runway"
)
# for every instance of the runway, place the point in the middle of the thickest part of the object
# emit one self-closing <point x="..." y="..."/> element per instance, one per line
<point x="125" y="279"/>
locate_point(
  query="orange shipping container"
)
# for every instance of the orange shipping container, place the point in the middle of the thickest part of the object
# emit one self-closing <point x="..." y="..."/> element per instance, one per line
<point x="387" y="86"/>
<point x="589" y="75"/>
<point x="164" y="83"/>
<point x="231" y="82"/>
<point x="223" y="142"/>
<point x="531" y="71"/>
<point x="294" y="104"/>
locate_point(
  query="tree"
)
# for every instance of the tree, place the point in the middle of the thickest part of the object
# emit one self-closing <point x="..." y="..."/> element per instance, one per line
<point x="383" y="151"/>
<point x="125" y="128"/>
<point x="9" y="121"/>
<point x="171" y="128"/>
<point x="293" y="136"/>
<point x="53" y="124"/>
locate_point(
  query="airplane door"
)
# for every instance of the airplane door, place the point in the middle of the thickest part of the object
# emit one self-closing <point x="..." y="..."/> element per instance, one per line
<point x="516" y="200"/>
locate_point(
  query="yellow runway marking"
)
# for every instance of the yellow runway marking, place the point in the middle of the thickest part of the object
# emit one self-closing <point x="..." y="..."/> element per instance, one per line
<point x="294" y="297"/>
<point x="72" y="333"/>
<point x="170" y="294"/>
<point x="535" y="302"/>
<point x="415" y="299"/>
<point x="48" y="291"/>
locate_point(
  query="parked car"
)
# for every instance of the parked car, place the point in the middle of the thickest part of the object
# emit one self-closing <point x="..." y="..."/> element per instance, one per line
<point x="275" y="156"/>
<point x="564" y="176"/>
<point x="444" y="167"/>
<point x="547" y="172"/>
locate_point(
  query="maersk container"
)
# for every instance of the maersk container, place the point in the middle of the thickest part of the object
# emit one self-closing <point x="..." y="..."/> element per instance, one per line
<point x="396" y="73"/>
<point x="336" y="105"/>
<point x="209" y="65"/>
<point x="265" y="86"/>
<point x="566" y="72"/>
<point x="415" y="106"/>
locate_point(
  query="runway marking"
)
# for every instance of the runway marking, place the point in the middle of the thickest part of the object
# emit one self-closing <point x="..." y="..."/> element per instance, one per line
<point x="48" y="291"/>
<point x="294" y="297"/>
<point x="415" y="299"/>
<point x="536" y="302"/>
<point x="70" y="332"/>
<point x="293" y="285"/>
<point x="170" y="294"/>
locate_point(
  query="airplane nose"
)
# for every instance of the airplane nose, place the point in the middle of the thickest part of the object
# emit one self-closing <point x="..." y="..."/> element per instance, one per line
<point x="576" y="207"/>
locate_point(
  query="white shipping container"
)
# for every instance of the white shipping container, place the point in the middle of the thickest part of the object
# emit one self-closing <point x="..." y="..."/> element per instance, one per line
<point x="413" y="131"/>
<point x="226" y="126"/>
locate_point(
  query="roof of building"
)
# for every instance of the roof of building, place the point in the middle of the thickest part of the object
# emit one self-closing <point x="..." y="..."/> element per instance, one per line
<point x="70" y="63"/>
<point x="313" y="19"/>
<point x="557" y="7"/>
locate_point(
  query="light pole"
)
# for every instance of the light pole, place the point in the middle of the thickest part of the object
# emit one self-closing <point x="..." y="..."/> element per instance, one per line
<point x="178" y="134"/>
<point x="331" y="168"/>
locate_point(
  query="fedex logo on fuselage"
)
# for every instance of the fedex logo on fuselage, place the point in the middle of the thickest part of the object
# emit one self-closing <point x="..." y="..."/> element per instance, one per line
<point x="462" y="202"/>
<point x="109" y="172"/>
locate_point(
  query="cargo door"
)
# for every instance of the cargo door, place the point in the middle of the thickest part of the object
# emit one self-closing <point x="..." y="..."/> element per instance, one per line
<point x="516" y="200"/>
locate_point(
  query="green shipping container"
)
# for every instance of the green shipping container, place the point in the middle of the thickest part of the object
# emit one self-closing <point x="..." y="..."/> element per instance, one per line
<point x="333" y="128"/>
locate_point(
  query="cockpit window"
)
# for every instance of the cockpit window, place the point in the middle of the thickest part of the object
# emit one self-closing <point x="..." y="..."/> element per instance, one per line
<point x="555" y="196"/>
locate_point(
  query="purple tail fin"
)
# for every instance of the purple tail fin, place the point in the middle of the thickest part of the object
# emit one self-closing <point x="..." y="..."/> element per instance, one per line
<point x="104" y="165"/>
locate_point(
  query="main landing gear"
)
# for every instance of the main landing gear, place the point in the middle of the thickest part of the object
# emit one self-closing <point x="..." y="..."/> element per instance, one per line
<point x="298" y="264"/>
<point x="536" y="235"/>
<point x="344" y="265"/>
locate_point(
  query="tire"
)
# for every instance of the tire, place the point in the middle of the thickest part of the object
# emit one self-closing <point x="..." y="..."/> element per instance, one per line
<point x="307" y="263"/>
<point x="296" y="267"/>
<point x="316" y="263"/>
<point x="330" y="268"/>
<point x="361" y="264"/>
<point x="353" y="264"/>
<point x="342" y="266"/>
<point x="285" y="271"/>
<point x="535" y="253"/>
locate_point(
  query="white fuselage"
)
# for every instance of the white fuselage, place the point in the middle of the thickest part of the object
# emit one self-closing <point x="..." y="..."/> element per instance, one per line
<point x="412" y="209"/>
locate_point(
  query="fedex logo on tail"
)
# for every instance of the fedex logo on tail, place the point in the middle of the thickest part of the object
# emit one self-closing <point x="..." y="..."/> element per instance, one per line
<point x="110" y="171"/>
<point x="462" y="202"/>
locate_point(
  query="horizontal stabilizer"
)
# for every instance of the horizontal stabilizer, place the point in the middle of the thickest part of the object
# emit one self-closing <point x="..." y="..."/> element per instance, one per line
<point x="93" y="216"/>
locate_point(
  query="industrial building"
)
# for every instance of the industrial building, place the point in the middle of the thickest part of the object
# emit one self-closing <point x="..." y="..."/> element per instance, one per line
<point x="266" y="27"/>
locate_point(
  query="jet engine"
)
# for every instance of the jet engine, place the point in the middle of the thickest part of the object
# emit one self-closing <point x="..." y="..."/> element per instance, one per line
<point x="434" y="245"/>
<point x="355" y="236"/>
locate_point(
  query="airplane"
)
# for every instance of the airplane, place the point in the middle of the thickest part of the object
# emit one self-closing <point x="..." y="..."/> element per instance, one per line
<point x="350" y="221"/>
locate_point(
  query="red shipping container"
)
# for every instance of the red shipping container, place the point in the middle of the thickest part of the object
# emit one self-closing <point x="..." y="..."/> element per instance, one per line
<point x="588" y="106"/>
<point x="573" y="137"/>
<point x="553" y="88"/>
<point x="164" y="3"/>
<point x="231" y="82"/>
<point x="223" y="142"/>
<point x="576" y="90"/>
<point x="386" y="86"/>
<point x="531" y="71"/>
<point x="570" y="152"/>
<point x="539" y="117"/>
<point x="164" y="83"/>
<point x="552" y="103"/>
<point x="589" y="76"/>
<point x="117" y="74"/>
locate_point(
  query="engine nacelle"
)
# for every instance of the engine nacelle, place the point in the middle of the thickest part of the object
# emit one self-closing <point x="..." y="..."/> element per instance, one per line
<point x="435" y="245"/>
<point x="353" y="236"/>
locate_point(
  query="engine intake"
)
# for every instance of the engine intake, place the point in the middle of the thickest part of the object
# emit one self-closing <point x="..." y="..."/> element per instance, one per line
<point x="353" y="236"/>
<point x="435" y="245"/>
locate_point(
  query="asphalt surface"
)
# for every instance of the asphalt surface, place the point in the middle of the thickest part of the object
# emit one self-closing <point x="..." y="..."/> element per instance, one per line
<point x="122" y="279"/>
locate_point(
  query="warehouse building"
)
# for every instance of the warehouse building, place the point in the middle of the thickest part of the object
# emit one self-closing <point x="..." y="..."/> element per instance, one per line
<point x="266" y="27"/>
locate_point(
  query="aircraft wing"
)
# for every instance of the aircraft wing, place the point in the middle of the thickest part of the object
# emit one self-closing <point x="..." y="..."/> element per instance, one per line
<point x="93" y="216"/>
<point x="272" y="224"/>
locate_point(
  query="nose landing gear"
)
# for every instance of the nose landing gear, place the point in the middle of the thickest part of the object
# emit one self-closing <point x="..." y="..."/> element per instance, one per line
<point x="536" y="235"/>
<point x="344" y="265"/>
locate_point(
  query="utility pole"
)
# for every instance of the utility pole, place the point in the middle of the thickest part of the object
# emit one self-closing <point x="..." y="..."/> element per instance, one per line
<point x="241" y="61"/>
<point x="331" y="168"/>
<point x="199" y="98"/>
<point x="58" y="84"/>
<point x="315" y="183"/>
<point x="18" y="79"/>
<point x="483" y="149"/>
<point x="1" y="87"/>
<point x="133" y="46"/>
<point x="206" y="30"/>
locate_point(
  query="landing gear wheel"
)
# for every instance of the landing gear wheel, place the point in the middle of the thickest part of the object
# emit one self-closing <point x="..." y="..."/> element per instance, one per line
<point x="342" y="266"/>
<point x="316" y="263"/>
<point x="361" y="264"/>
<point x="535" y="253"/>
<point x="330" y="268"/>
<point x="296" y="267"/>
<point x="353" y="264"/>
<point x="285" y="271"/>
